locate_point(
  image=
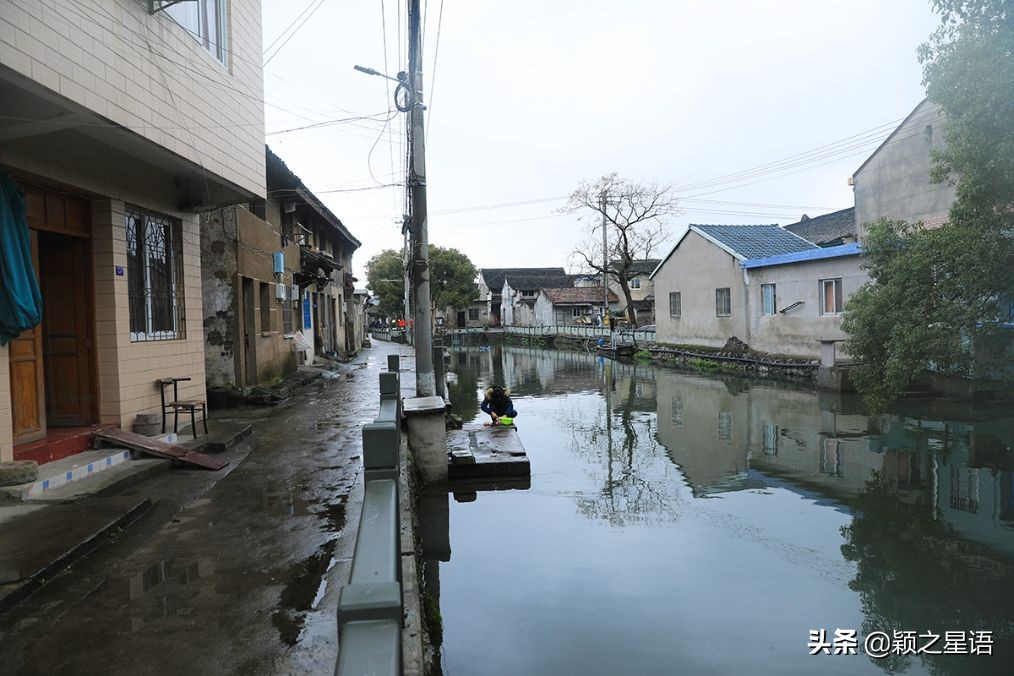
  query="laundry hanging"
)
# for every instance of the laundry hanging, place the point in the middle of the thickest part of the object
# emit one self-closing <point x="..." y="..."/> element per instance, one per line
<point x="20" y="299"/>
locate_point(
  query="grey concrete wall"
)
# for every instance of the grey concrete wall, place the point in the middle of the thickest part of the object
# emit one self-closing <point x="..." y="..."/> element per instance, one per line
<point x="696" y="269"/>
<point x="218" y="287"/>
<point x="799" y="331"/>
<point x="895" y="181"/>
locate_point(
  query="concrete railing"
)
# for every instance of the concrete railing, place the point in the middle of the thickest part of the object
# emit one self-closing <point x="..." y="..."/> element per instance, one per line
<point x="622" y="335"/>
<point x="370" y="605"/>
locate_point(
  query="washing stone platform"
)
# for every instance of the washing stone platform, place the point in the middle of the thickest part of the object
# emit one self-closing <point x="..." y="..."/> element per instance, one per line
<point x="488" y="457"/>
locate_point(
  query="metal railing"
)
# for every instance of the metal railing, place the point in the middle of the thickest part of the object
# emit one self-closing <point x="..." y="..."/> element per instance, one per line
<point x="370" y="606"/>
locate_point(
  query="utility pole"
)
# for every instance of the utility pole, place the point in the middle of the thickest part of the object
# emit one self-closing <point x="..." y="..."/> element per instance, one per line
<point x="406" y="250"/>
<point x="605" y="265"/>
<point x="425" y="382"/>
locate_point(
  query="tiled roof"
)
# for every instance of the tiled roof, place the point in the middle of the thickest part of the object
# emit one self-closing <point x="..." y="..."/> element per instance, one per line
<point x="493" y="277"/>
<point x="815" y="254"/>
<point x="577" y="295"/>
<point x="531" y="279"/>
<point x="829" y="228"/>
<point x="642" y="266"/>
<point x="754" y="241"/>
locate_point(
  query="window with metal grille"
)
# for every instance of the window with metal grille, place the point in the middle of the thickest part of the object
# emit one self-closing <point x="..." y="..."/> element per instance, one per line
<point x="265" y="307"/>
<point x="287" y="315"/>
<point x="675" y="304"/>
<point x="723" y="302"/>
<point x="768" y="298"/>
<point x="154" y="276"/>
<point x="830" y="296"/>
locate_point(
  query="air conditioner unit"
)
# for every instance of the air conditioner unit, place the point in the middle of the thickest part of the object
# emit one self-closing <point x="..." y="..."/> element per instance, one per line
<point x="280" y="290"/>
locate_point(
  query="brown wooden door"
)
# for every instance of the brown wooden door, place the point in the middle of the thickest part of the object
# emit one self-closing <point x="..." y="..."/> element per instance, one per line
<point x="66" y="335"/>
<point x="27" y="385"/>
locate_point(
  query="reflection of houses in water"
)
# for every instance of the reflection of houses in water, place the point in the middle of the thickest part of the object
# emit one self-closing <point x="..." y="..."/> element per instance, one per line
<point x="705" y="426"/>
<point x="717" y="429"/>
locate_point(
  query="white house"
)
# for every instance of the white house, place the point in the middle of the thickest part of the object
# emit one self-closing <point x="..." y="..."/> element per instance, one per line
<point x="578" y="305"/>
<point x="767" y="287"/>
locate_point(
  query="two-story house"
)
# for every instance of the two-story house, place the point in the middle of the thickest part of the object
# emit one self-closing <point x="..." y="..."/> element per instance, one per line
<point x="120" y="120"/>
<point x="272" y="269"/>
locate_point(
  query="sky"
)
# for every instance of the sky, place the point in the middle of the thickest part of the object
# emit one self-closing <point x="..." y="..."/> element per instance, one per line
<point x="753" y="112"/>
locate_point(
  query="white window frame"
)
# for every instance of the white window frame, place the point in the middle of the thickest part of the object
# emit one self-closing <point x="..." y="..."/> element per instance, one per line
<point x="675" y="309"/>
<point x="471" y="311"/>
<point x="836" y="294"/>
<point x="194" y="16"/>
<point x="635" y="283"/>
<point x="767" y="289"/>
<point x="728" y="293"/>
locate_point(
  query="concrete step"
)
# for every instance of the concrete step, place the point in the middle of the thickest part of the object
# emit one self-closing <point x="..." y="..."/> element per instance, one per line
<point x="74" y="468"/>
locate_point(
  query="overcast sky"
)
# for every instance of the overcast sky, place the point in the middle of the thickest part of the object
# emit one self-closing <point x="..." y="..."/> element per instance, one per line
<point x="531" y="97"/>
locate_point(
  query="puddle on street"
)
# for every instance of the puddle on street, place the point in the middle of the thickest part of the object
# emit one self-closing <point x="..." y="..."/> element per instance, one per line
<point x="297" y="598"/>
<point x="681" y="522"/>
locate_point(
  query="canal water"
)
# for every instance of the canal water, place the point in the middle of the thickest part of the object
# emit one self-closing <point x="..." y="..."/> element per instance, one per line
<point x="708" y="524"/>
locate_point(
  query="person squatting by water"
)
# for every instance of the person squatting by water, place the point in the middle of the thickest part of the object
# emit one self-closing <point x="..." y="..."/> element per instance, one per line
<point x="498" y="404"/>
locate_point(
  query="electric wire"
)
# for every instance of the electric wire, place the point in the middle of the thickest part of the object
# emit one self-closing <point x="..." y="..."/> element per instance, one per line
<point x="293" y="33"/>
<point x="433" y="78"/>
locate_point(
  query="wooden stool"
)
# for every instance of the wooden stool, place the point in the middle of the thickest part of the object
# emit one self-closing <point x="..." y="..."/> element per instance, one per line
<point x="177" y="405"/>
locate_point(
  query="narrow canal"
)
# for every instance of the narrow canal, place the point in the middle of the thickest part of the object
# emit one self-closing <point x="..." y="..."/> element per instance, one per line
<point x="706" y="524"/>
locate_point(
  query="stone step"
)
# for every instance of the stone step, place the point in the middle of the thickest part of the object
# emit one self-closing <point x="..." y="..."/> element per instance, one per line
<point x="55" y="474"/>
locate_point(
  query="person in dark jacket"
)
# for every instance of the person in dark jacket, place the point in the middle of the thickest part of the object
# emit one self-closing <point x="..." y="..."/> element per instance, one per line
<point x="497" y="404"/>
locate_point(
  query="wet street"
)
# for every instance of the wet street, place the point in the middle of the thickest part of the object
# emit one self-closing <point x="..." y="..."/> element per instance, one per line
<point x="706" y="524"/>
<point x="230" y="572"/>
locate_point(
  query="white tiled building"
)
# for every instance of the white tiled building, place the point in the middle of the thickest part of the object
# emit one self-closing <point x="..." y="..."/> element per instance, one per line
<point x="120" y="123"/>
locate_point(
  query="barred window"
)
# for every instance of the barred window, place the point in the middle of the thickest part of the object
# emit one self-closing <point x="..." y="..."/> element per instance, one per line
<point x="675" y="304"/>
<point x="154" y="276"/>
<point x="723" y="302"/>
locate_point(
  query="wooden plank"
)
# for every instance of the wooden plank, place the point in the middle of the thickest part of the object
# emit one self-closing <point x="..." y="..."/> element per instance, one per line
<point x="160" y="449"/>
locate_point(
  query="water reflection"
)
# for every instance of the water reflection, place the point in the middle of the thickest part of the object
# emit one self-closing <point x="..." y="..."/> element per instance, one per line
<point x="924" y="538"/>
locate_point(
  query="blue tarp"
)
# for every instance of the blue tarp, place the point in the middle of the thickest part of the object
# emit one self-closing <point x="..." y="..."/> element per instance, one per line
<point x="20" y="299"/>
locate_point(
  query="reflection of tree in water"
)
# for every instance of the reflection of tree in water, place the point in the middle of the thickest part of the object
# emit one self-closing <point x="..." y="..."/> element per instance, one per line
<point x="639" y="485"/>
<point x="915" y="574"/>
<point x="463" y="392"/>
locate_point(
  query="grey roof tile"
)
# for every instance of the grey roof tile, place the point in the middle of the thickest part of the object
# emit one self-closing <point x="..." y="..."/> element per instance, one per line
<point x="833" y="228"/>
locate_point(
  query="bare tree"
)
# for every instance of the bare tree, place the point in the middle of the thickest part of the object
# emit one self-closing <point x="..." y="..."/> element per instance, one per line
<point x="633" y="215"/>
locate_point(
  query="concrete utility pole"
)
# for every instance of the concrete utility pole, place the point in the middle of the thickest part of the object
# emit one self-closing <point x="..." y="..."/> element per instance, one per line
<point x="425" y="383"/>
<point x="406" y="251"/>
<point x="605" y="263"/>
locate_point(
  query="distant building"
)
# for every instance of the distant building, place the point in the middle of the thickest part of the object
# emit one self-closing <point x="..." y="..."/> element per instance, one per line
<point x="491" y="281"/>
<point x="894" y="182"/>
<point x="642" y="290"/>
<point x="833" y="229"/>
<point x="575" y="305"/>
<point x="760" y="283"/>
<point x="521" y="286"/>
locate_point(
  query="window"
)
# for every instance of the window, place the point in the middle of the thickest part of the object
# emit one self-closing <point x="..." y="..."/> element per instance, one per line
<point x="768" y="298"/>
<point x="724" y="430"/>
<point x="723" y="302"/>
<point x="576" y="312"/>
<point x="473" y="314"/>
<point x="205" y="21"/>
<point x="635" y="283"/>
<point x="770" y="439"/>
<point x="155" y="276"/>
<point x="675" y="304"/>
<point x="287" y="305"/>
<point x="677" y="411"/>
<point x="265" y="307"/>
<point x="830" y="296"/>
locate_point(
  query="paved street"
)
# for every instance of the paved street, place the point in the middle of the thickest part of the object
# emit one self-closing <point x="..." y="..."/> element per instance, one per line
<point x="233" y="573"/>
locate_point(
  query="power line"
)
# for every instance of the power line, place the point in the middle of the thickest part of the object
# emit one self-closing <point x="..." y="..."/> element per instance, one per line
<point x="296" y="30"/>
<point x="433" y="79"/>
<point x="328" y="123"/>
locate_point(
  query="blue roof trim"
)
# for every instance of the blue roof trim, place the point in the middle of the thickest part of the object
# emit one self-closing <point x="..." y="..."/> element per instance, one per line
<point x="802" y="256"/>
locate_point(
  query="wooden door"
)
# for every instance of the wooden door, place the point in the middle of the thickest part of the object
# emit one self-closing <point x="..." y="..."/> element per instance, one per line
<point x="66" y="329"/>
<point x="249" y="334"/>
<point x="28" y="401"/>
